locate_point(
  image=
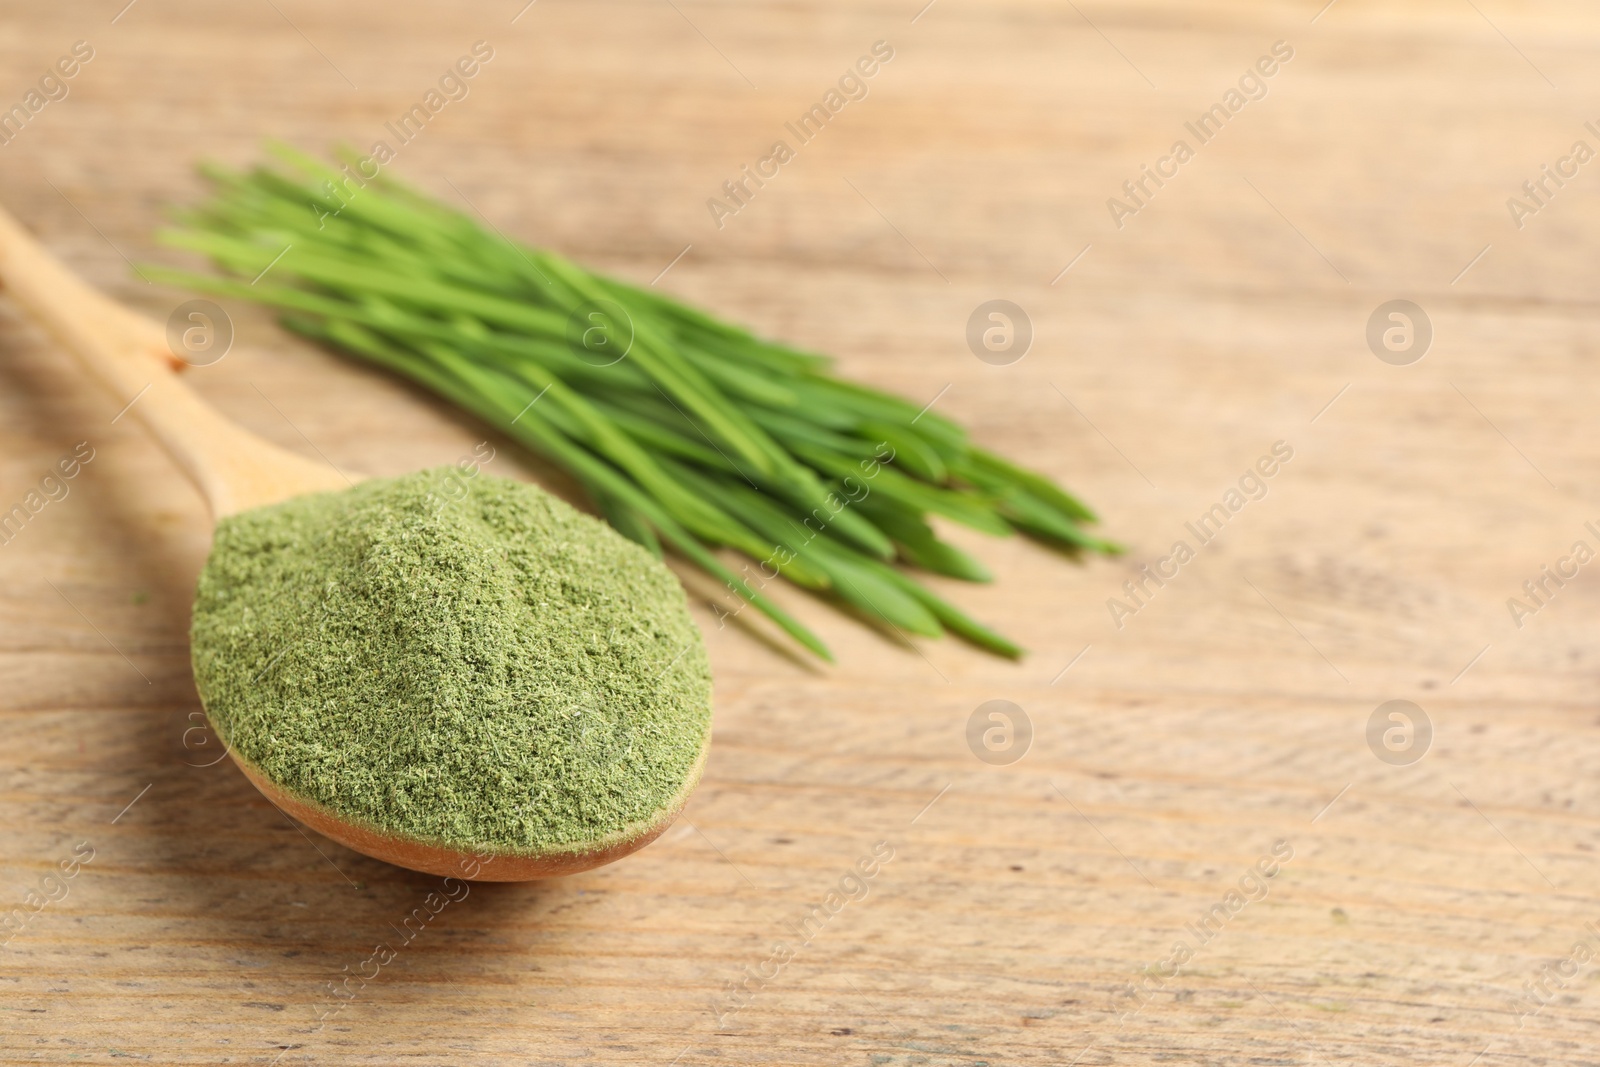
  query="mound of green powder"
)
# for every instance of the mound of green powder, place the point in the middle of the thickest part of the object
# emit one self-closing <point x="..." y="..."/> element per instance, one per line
<point x="489" y="670"/>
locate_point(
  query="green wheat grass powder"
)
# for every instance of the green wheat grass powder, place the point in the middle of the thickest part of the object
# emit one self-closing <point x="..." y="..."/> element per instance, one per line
<point x="490" y="669"/>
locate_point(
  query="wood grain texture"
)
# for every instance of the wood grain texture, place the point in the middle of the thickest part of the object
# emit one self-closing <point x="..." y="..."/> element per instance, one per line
<point x="1224" y="716"/>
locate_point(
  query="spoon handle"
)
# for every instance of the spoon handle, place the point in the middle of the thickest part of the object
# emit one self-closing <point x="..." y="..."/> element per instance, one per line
<point x="128" y="354"/>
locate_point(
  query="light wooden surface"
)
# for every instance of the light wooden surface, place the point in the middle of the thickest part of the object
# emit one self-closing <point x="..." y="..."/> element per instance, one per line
<point x="1223" y="717"/>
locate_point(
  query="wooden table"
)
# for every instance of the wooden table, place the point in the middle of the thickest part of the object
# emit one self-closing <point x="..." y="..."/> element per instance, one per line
<point x="1030" y="911"/>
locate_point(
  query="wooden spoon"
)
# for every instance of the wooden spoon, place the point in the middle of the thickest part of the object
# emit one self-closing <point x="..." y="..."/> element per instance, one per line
<point x="235" y="471"/>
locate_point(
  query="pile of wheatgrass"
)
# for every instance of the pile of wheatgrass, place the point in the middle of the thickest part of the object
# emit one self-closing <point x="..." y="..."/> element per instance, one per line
<point x="490" y="670"/>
